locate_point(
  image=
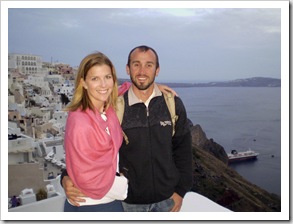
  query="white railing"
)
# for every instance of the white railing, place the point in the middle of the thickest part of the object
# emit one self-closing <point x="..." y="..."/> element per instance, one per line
<point x="193" y="202"/>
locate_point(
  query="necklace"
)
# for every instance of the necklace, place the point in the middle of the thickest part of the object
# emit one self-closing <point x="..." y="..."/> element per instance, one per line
<point x="103" y="115"/>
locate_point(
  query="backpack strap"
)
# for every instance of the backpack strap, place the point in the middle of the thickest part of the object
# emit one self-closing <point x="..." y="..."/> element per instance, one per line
<point x="120" y="106"/>
<point x="170" y="101"/>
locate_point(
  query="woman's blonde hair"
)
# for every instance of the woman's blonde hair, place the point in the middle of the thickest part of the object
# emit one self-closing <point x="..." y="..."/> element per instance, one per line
<point x="80" y="98"/>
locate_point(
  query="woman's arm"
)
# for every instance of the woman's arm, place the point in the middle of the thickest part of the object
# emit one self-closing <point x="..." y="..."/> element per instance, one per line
<point x="123" y="88"/>
<point x="73" y="194"/>
<point x="118" y="190"/>
<point x="166" y="89"/>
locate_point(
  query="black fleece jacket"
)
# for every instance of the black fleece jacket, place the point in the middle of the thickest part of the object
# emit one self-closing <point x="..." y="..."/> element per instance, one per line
<point x="156" y="164"/>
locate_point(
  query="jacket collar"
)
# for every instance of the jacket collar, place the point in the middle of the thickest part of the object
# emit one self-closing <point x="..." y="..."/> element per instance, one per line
<point x="133" y="99"/>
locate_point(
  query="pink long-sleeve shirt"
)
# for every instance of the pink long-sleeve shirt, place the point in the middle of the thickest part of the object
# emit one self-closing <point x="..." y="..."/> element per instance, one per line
<point x="91" y="153"/>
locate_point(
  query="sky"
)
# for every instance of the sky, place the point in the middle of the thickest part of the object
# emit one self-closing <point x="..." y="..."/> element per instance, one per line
<point x="194" y="43"/>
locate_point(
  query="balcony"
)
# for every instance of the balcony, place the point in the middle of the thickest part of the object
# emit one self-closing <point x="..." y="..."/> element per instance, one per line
<point x="20" y="145"/>
<point x="53" y="209"/>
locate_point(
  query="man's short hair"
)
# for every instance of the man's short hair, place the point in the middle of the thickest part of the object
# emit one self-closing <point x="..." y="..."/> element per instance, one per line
<point x="144" y="48"/>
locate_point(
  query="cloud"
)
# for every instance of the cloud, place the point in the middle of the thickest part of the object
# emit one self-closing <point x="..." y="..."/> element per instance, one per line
<point x="208" y="42"/>
<point x="179" y="12"/>
<point x="70" y="25"/>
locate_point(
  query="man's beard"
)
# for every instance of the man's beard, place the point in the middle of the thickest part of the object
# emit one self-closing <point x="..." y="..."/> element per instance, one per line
<point x="141" y="86"/>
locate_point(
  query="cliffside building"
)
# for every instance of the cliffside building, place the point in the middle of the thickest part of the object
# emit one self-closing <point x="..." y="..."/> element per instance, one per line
<point x="25" y="63"/>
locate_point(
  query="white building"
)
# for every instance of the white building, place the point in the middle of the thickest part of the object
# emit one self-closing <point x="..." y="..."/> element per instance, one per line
<point x="40" y="81"/>
<point x="23" y="170"/>
<point x="25" y="63"/>
<point x="20" y="147"/>
<point x="60" y="117"/>
<point x="55" y="79"/>
<point x="67" y="88"/>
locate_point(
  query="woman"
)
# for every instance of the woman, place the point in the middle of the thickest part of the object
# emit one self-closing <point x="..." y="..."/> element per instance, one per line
<point x="93" y="136"/>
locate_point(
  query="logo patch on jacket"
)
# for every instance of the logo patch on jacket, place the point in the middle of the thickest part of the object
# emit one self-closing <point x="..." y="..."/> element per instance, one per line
<point x="165" y="123"/>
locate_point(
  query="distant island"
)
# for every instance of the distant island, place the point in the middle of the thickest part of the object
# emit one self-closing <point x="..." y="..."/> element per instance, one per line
<point x="249" y="82"/>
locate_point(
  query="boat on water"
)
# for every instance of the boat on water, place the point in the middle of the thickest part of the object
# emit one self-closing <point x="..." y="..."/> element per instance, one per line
<point x="235" y="156"/>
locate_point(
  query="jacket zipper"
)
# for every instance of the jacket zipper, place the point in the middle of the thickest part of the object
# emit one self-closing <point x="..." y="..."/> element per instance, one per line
<point x="150" y="142"/>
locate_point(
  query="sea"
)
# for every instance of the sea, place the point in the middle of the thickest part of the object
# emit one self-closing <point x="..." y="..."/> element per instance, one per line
<point x="242" y="118"/>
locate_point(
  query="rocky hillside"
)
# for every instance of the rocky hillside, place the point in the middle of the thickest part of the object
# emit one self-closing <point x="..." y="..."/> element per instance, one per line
<point x="249" y="82"/>
<point x="214" y="179"/>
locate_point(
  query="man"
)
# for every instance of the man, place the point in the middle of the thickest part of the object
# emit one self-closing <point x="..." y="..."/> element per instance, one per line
<point x="157" y="165"/>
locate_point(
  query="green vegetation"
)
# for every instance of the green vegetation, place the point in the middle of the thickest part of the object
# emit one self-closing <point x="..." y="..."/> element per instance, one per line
<point x="41" y="195"/>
